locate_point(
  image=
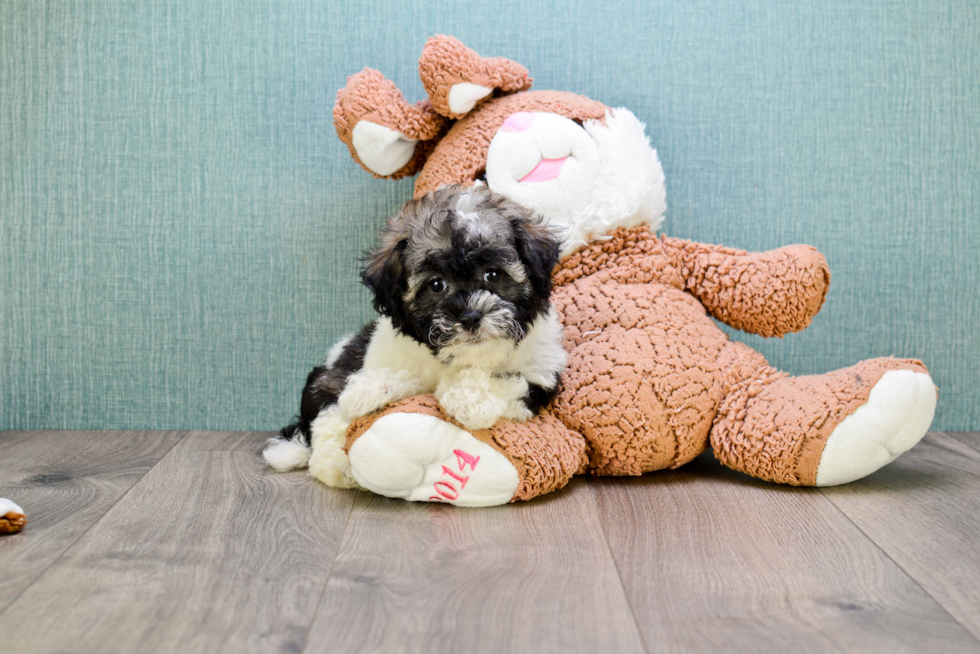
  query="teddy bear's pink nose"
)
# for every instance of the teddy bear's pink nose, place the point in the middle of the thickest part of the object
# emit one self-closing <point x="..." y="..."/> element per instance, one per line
<point x="518" y="122"/>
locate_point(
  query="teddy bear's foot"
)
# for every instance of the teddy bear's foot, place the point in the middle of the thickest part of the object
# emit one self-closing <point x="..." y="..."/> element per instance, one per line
<point x="819" y="430"/>
<point x="896" y="416"/>
<point x="414" y="451"/>
<point x="421" y="458"/>
<point x="385" y="134"/>
<point x="457" y="79"/>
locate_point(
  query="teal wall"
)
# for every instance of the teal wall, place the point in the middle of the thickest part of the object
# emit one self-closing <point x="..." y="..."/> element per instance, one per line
<point x="180" y="228"/>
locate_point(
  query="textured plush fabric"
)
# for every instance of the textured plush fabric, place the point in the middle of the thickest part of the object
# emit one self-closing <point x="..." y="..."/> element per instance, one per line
<point x="651" y="379"/>
<point x="545" y="454"/>
<point x="358" y="101"/>
<point x="774" y="427"/>
<point x="445" y="62"/>
<point x="462" y="153"/>
<point x="647" y="368"/>
<point x="180" y="227"/>
<point x="768" y="293"/>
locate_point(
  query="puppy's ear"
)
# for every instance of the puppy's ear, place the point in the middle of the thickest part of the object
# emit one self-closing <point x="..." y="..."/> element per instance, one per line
<point x="539" y="248"/>
<point x="384" y="274"/>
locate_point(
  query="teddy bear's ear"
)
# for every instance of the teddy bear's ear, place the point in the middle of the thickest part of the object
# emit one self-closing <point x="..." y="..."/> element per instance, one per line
<point x="457" y="79"/>
<point x="385" y="134"/>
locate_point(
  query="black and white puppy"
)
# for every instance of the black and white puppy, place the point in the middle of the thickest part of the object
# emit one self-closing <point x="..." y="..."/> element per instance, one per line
<point x="462" y="279"/>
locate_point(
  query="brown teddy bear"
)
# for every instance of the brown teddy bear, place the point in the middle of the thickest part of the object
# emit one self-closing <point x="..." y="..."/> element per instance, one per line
<point x="651" y="380"/>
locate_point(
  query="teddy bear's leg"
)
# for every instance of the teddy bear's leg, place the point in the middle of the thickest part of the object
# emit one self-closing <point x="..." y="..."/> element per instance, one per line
<point x="385" y="135"/>
<point x="413" y="451"/>
<point x="820" y="430"/>
<point x="457" y="79"/>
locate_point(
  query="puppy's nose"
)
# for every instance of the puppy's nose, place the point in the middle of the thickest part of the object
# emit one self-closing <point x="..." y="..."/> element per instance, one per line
<point x="470" y="319"/>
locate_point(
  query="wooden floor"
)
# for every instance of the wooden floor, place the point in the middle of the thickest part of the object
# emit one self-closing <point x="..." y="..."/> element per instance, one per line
<point x="183" y="542"/>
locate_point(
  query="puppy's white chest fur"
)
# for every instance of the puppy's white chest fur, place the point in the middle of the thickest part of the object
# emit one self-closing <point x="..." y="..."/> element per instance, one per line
<point x="476" y="384"/>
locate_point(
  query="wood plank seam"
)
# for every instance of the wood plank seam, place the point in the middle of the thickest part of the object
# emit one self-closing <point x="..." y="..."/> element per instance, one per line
<point x="619" y="574"/>
<point x="959" y="437"/>
<point x="899" y="565"/>
<point x="333" y="564"/>
<point x="904" y="571"/>
<point x="40" y="573"/>
<point x="209" y="552"/>
<point x="848" y="599"/>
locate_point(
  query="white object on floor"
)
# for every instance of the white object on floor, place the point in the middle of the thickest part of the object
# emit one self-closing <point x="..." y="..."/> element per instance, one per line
<point x="7" y="506"/>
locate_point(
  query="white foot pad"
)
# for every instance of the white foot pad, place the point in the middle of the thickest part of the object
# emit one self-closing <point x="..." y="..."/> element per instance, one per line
<point x="423" y="459"/>
<point x="383" y="150"/>
<point x="465" y="95"/>
<point x="896" y="416"/>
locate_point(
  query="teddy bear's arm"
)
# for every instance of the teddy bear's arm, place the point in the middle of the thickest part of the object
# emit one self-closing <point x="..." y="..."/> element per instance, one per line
<point x="767" y="293"/>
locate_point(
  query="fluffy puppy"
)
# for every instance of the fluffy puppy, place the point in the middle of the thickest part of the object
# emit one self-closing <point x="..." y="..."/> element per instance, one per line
<point x="462" y="280"/>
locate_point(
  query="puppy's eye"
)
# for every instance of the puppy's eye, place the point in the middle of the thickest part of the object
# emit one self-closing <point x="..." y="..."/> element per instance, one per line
<point x="437" y="285"/>
<point x="491" y="276"/>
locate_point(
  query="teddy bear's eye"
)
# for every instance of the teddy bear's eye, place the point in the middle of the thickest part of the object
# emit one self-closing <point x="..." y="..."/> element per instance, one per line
<point x="491" y="276"/>
<point x="437" y="285"/>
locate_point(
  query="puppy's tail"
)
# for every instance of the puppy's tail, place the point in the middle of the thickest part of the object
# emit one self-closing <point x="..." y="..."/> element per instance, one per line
<point x="289" y="450"/>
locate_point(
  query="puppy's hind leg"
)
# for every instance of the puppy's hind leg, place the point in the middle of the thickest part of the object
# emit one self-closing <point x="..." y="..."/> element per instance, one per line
<point x="285" y="454"/>
<point x="364" y="393"/>
<point x="292" y="448"/>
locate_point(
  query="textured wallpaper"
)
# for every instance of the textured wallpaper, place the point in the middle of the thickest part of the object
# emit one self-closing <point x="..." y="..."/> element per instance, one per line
<point x="180" y="228"/>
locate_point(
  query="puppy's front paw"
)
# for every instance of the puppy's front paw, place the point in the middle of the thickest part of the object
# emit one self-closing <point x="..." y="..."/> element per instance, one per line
<point x="478" y="399"/>
<point x="370" y="390"/>
<point x="517" y="411"/>
<point x="472" y="407"/>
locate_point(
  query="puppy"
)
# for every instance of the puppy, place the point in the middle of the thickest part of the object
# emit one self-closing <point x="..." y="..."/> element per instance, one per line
<point x="462" y="280"/>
